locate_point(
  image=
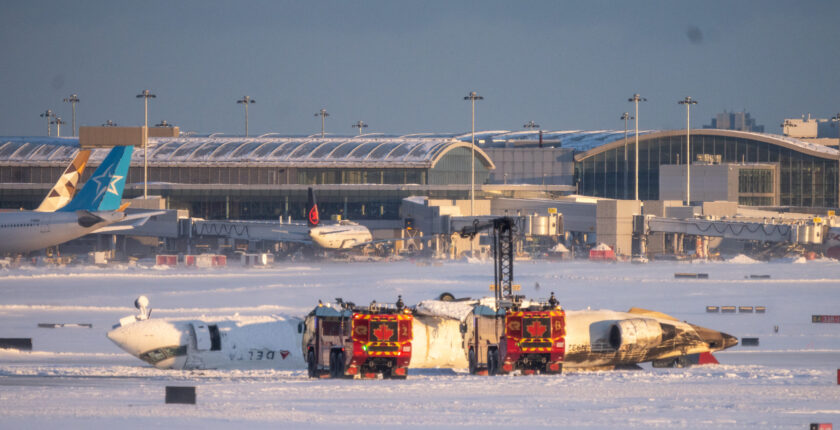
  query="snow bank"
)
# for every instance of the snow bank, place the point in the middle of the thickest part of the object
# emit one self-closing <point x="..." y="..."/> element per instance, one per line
<point x="741" y="259"/>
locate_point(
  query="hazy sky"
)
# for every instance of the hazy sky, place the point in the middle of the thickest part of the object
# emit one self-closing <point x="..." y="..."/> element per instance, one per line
<point x="405" y="66"/>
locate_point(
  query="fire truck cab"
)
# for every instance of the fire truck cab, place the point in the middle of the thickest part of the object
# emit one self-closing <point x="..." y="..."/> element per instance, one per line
<point x="346" y="341"/>
<point x="529" y="338"/>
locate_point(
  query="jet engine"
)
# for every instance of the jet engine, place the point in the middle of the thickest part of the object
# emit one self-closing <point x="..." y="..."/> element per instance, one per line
<point x="635" y="333"/>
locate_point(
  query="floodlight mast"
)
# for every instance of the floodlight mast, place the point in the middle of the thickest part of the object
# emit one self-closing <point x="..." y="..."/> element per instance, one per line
<point x="836" y="118"/>
<point x="472" y="97"/>
<point x="360" y="125"/>
<point x="532" y="125"/>
<point x="687" y="102"/>
<point x="146" y="95"/>
<point x="626" y="116"/>
<point x="323" y="114"/>
<point x="48" y="114"/>
<point x="57" y="121"/>
<point x="636" y="99"/>
<point x="73" y="99"/>
<point x="246" y="100"/>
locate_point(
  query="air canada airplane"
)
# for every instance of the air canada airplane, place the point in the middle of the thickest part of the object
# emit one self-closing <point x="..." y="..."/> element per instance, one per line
<point x="595" y="339"/>
<point x="97" y="205"/>
<point x="343" y="235"/>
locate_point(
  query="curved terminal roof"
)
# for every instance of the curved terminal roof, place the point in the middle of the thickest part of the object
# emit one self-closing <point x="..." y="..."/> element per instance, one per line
<point x="357" y="151"/>
<point x="802" y="146"/>
<point x="420" y="150"/>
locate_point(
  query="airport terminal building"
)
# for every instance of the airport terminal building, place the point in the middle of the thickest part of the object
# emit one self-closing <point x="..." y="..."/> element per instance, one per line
<point x="805" y="174"/>
<point x="366" y="177"/>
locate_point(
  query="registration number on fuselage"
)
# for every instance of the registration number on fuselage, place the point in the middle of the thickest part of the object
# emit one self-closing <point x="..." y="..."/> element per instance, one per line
<point x="266" y="354"/>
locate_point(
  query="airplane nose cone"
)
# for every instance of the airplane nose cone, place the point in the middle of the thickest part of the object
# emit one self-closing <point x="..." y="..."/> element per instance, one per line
<point x="729" y="341"/>
<point x="715" y="339"/>
<point x="155" y="341"/>
<point x="122" y="337"/>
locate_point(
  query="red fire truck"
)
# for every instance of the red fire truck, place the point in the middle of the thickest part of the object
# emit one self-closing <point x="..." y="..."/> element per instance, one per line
<point x="529" y="339"/>
<point x="346" y="341"/>
<point x="514" y="334"/>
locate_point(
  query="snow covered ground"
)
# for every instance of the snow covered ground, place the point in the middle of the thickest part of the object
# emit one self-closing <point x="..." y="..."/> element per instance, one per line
<point x="76" y="378"/>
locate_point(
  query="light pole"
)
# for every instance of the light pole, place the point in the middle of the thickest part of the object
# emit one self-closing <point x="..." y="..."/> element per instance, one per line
<point x="636" y="99"/>
<point x="57" y="121"/>
<point x="73" y="99"/>
<point x="323" y="114"/>
<point x="836" y="118"/>
<point x="472" y="97"/>
<point x="109" y="123"/>
<point x="626" y="116"/>
<point x="687" y="102"/>
<point x="48" y="114"/>
<point x="246" y="100"/>
<point x="146" y="95"/>
<point x="360" y="125"/>
<point x="532" y="125"/>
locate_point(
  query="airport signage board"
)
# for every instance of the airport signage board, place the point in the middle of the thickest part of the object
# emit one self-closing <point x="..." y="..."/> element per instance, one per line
<point x="825" y="319"/>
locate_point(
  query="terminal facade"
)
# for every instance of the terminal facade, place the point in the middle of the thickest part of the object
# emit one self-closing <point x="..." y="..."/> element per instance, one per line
<point x="367" y="177"/>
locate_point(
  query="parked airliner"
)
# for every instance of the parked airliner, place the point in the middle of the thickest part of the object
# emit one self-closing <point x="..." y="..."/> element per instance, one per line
<point x="97" y="205"/>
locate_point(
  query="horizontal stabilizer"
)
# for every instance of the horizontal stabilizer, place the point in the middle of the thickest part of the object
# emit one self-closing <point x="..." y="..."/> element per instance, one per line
<point x="649" y="313"/>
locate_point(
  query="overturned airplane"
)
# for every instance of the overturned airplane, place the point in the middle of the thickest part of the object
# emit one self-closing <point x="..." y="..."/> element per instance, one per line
<point x="594" y="339"/>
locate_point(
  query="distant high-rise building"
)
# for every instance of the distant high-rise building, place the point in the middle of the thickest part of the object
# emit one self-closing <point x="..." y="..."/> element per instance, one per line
<point x="741" y="121"/>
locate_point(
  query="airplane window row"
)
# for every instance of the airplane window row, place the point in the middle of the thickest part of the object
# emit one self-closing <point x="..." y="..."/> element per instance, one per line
<point x="15" y="225"/>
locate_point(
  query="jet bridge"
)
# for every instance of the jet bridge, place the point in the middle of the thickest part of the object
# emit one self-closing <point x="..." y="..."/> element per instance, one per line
<point x="804" y="233"/>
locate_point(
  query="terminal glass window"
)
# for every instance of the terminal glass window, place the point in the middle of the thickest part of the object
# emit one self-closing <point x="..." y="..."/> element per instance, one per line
<point x="755" y="181"/>
<point x="804" y="180"/>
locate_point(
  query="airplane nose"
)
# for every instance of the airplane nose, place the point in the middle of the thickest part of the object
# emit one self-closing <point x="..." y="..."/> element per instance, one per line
<point x="729" y="341"/>
<point x="715" y="339"/>
<point x="122" y="337"/>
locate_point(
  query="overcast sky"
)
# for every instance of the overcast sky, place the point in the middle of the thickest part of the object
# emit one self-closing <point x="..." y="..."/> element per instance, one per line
<point x="405" y="66"/>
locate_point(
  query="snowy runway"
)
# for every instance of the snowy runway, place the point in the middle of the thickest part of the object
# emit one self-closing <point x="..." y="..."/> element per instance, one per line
<point x="75" y="377"/>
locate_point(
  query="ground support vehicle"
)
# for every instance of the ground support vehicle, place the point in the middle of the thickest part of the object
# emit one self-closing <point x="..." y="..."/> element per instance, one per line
<point x="346" y="341"/>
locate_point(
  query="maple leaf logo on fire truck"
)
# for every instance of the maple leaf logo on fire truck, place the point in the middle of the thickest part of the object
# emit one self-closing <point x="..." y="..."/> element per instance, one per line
<point x="383" y="332"/>
<point x="536" y="329"/>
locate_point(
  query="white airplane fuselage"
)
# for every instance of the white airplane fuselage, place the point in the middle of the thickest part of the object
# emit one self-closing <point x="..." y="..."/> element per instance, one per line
<point x="26" y="231"/>
<point x="344" y="235"/>
<point x="277" y="344"/>
<point x="271" y="343"/>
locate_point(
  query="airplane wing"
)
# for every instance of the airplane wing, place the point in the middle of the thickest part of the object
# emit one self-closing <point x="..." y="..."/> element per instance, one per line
<point x="374" y="242"/>
<point x="138" y="218"/>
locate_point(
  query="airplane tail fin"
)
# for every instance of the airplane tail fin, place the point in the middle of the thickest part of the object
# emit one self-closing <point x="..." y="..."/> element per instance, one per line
<point x="312" y="215"/>
<point x="64" y="189"/>
<point x="103" y="191"/>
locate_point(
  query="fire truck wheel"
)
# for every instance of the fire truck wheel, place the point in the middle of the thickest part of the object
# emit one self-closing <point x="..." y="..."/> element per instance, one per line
<point x="336" y="364"/>
<point x="471" y="361"/>
<point x="311" y="366"/>
<point x="493" y="361"/>
<point x="339" y="364"/>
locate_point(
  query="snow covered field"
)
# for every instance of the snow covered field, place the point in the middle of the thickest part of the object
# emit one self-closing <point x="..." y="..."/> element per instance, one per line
<point x="76" y="378"/>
